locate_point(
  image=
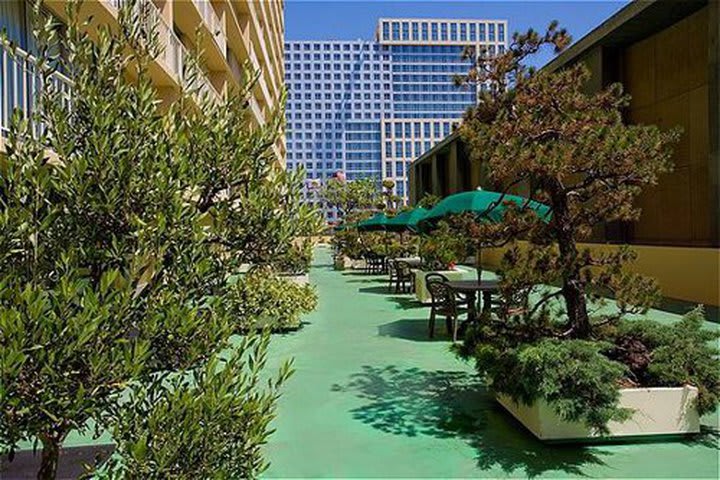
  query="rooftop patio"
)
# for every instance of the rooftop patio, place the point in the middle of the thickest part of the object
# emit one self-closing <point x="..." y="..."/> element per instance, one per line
<point x="373" y="397"/>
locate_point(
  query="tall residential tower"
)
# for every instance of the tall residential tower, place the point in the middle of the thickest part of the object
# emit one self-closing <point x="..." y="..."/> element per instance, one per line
<point x="368" y="108"/>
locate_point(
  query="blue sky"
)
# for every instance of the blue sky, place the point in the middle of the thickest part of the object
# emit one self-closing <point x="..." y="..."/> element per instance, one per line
<point x="351" y="20"/>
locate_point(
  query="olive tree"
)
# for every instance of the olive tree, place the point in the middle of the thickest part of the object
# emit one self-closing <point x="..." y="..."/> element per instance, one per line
<point x="121" y="220"/>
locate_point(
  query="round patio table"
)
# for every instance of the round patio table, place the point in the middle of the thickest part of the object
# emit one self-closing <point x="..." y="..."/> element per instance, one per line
<point x="471" y="288"/>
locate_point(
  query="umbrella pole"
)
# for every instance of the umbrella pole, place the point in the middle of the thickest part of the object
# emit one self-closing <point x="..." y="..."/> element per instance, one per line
<point x="478" y="262"/>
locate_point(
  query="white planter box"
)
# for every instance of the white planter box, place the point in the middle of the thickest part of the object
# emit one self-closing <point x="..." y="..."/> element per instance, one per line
<point x="303" y="279"/>
<point x="347" y="263"/>
<point x="421" y="291"/>
<point x="658" y="411"/>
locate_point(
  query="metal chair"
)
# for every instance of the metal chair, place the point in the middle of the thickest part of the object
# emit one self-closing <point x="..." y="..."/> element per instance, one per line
<point x="404" y="277"/>
<point x="444" y="302"/>
<point x="392" y="273"/>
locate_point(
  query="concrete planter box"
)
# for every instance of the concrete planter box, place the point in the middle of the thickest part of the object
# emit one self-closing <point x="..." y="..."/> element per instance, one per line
<point x="421" y="291"/>
<point x="347" y="263"/>
<point x="301" y="279"/>
<point x="658" y="411"/>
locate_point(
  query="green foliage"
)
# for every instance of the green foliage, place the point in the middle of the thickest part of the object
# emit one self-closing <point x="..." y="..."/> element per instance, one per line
<point x="208" y="424"/>
<point x="297" y="259"/>
<point x="263" y="299"/>
<point x="428" y="201"/>
<point x="350" y="197"/>
<point x="348" y="242"/>
<point x="62" y="355"/>
<point x="115" y="248"/>
<point x="441" y="248"/>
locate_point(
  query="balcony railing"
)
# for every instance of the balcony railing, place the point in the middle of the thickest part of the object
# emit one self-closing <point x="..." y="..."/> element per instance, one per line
<point x="213" y="23"/>
<point x="21" y="83"/>
<point x="174" y="54"/>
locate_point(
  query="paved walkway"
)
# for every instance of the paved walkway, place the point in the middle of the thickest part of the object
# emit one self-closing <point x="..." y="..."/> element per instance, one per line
<point x="372" y="397"/>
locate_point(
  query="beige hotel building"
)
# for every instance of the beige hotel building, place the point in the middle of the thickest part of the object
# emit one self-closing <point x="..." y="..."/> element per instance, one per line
<point x="230" y="33"/>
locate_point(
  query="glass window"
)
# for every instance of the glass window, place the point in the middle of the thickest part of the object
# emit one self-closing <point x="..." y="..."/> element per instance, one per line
<point x="405" y="31"/>
<point x="481" y="29"/>
<point x="443" y="31"/>
<point x="453" y="32"/>
<point x="386" y="31"/>
<point x="424" y="32"/>
<point x="434" y="31"/>
<point x="501" y="32"/>
<point x="463" y="32"/>
<point x="396" y="31"/>
<point x="415" y="31"/>
<point x="491" y="32"/>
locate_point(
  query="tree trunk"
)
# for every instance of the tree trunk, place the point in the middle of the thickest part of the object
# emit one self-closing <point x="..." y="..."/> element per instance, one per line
<point x="50" y="457"/>
<point x="576" y="304"/>
<point x="573" y="286"/>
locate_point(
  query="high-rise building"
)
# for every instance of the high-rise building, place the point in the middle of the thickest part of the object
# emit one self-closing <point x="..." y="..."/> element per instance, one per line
<point x="229" y="34"/>
<point x="368" y="108"/>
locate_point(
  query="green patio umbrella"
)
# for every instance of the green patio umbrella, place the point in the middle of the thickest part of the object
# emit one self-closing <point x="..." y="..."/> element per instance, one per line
<point x="406" y="221"/>
<point x="486" y="205"/>
<point x="375" y="223"/>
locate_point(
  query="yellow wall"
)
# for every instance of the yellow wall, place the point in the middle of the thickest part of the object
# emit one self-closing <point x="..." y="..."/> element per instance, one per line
<point x="685" y="273"/>
<point x="667" y="78"/>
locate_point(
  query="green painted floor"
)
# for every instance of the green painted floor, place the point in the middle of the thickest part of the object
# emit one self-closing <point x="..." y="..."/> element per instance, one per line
<point x="372" y="397"/>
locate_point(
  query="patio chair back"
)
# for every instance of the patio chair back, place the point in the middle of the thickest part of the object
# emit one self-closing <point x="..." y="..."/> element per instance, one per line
<point x="403" y="269"/>
<point x="392" y="268"/>
<point x="438" y="277"/>
<point x="442" y="297"/>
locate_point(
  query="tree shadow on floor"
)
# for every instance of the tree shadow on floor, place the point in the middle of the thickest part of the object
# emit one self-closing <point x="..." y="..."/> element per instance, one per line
<point x="414" y="329"/>
<point x="443" y="404"/>
<point x="379" y="289"/>
<point x="407" y="303"/>
<point x="369" y="280"/>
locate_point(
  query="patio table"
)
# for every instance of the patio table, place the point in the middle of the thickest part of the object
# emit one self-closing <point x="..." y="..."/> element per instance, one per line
<point x="471" y="288"/>
<point x="413" y="262"/>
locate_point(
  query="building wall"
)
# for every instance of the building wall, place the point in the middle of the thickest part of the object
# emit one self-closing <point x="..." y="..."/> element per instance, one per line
<point x="667" y="77"/>
<point x="369" y="108"/>
<point x="231" y="33"/>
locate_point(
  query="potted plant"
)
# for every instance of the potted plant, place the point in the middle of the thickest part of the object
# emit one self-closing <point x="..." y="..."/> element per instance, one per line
<point x="567" y="362"/>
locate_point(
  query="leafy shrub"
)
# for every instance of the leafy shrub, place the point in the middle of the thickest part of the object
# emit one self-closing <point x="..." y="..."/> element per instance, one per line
<point x="348" y="242"/>
<point x="441" y="249"/>
<point x="187" y="426"/>
<point x="297" y="259"/>
<point x="262" y="299"/>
